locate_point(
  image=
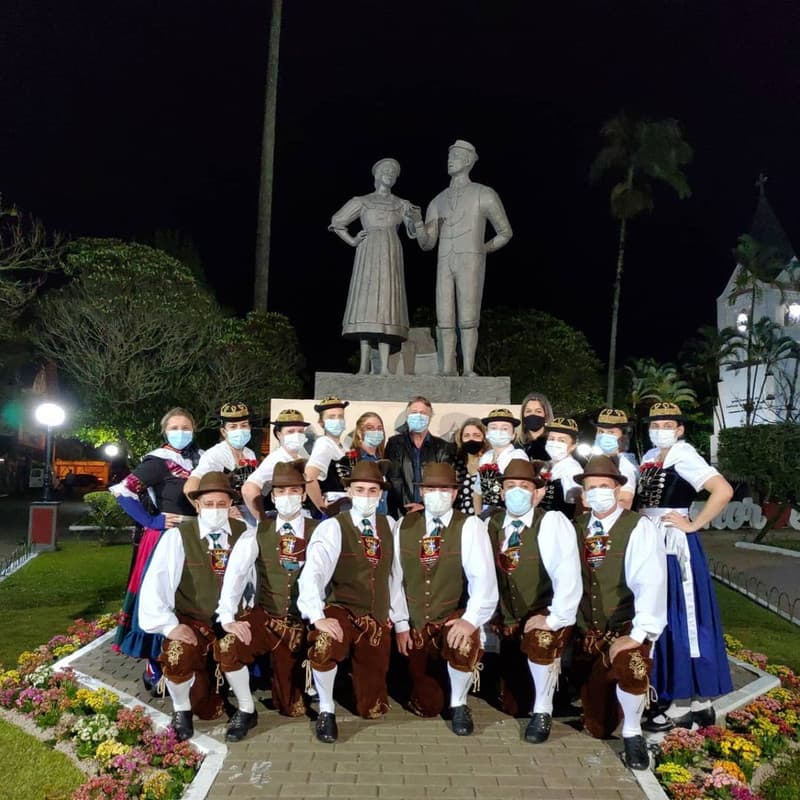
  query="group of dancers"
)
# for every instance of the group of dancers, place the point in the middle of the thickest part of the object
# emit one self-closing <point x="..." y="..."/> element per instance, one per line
<point x="499" y="549"/>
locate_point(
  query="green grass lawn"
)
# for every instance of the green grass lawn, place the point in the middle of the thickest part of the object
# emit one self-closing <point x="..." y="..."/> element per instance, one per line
<point x="81" y="579"/>
<point x="758" y="628"/>
<point x="46" y="774"/>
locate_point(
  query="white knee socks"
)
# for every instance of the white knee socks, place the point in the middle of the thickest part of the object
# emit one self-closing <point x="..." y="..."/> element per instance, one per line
<point x="459" y="686"/>
<point x="545" y="679"/>
<point x="179" y="693"/>
<point x="323" y="681"/>
<point x="632" y="709"/>
<point x="240" y="683"/>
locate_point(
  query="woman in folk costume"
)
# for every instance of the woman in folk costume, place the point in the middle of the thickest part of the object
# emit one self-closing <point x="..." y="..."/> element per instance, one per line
<point x="690" y="663"/>
<point x="231" y="456"/>
<point x="562" y="493"/>
<point x="500" y="427"/>
<point x="152" y="495"/>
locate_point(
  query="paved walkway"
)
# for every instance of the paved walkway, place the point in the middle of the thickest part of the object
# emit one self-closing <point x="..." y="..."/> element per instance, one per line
<point x="400" y="756"/>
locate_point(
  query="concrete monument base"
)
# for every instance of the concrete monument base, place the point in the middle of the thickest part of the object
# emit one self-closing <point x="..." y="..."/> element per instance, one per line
<point x="437" y="388"/>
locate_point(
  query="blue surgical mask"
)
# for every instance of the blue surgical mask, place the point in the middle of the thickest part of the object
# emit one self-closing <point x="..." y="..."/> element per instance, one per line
<point x="607" y="442"/>
<point x="417" y="423"/>
<point x="179" y="439"/>
<point x="519" y="501"/>
<point x="373" y="438"/>
<point x="239" y="438"/>
<point x="335" y="427"/>
<point x="498" y="438"/>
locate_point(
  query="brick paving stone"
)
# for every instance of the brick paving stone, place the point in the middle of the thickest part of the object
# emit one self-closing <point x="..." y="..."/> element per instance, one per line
<point x="401" y="757"/>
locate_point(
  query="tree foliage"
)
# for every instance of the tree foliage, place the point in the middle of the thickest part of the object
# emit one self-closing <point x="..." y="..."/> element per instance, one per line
<point x="637" y="153"/>
<point x="542" y="353"/>
<point x="136" y="335"/>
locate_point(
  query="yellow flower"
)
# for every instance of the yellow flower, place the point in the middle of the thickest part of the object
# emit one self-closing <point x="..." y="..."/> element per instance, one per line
<point x="110" y="748"/>
<point x="96" y="700"/>
<point x="9" y="678"/>
<point x="64" y="650"/>
<point x="156" y="785"/>
<point x="733" y="769"/>
<point x="669" y="772"/>
<point x="733" y="644"/>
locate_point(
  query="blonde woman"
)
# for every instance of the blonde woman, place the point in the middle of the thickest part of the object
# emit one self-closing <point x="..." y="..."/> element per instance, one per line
<point x="471" y="444"/>
<point x="535" y="412"/>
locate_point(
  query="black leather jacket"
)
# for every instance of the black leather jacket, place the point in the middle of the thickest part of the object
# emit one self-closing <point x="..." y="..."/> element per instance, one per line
<point x="400" y="451"/>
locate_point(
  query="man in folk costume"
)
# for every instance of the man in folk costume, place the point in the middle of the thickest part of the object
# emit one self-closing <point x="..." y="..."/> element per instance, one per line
<point x="539" y="577"/>
<point x="277" y="551"/>
<point x="623" y="609"/>
<point x="438" y="549"/>
<point x="180" y="594"/>
<point x="349" y="590"/>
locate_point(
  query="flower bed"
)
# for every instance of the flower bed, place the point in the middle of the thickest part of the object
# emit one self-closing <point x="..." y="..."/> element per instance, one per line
<point x="124" y="755"/>
<point x="721" y="762"/>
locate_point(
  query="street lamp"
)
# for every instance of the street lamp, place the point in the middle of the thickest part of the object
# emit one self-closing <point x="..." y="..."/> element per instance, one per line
<point x="111" y="450"/>
<point x="51" y="416"/>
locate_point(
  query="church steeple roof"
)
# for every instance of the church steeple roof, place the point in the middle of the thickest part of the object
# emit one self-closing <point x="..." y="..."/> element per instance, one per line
<point x="766" y="229"/>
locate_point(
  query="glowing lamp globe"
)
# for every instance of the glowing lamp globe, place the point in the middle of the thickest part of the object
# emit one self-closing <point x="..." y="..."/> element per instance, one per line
<point x="50" y="414"/>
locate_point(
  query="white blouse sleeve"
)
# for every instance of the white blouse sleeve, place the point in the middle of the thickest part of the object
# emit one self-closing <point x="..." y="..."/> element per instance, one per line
<point x="690" y="465"/>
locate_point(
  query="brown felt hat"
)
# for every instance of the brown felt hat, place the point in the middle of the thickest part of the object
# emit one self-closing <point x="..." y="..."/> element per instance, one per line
<point x="289" y="473"/>
<point x="438" y="475"/>
<point x="601" y="467"/>
<point x="369" y="472"/>
<point x="519" y="470"/>
<point x="214" y="482"/>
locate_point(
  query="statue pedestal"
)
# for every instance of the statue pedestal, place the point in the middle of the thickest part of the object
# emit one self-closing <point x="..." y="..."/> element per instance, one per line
<point x="400" y="388"/>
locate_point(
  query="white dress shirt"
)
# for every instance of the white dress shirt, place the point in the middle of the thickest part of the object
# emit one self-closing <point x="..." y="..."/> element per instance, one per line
<point x="322" y="556"/>
<point x="565" y="471"/>
<point x="163" y="576"/>
<point x="219" y="458"/>
<point x="558" y="549"/>
<point x="477" y="562"/>
<point x="645" y="574"/>
<point x="262" y="475"/>
<point x="503" y="458"/>
<point x="241" y="566"/>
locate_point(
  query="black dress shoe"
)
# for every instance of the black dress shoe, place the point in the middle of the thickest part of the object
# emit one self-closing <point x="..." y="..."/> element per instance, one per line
<point x="241" y="722"/>
<point x="181" y="723"/>
<point x="653" y="725"/>
<point x="683" y="722"/>
<point x="538" y="729"/>
<point x="636" y="755"/>
<point x="704" y="718"/>
<point x="462" y="721"/>
<point x="327" y="729"/>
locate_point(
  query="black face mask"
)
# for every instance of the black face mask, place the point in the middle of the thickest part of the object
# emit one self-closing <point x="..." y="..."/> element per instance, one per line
<point x="473" y="447"/>
<point x="533" y="422"/>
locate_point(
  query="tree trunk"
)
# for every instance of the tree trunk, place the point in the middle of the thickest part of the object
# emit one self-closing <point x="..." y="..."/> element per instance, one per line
<point x="748" y="399"/>
<point x="264" y="229"/>
<point x="612" y="348"/>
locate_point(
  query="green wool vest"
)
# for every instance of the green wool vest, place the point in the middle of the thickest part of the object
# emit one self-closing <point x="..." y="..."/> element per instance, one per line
<point x="197" y="595"/>
<point x="527" y="589"/>
<point x="277" y="586"/>
<point x="432" y="592"/>
<point x="356" y="585"/>
<point x="607" y="602"/>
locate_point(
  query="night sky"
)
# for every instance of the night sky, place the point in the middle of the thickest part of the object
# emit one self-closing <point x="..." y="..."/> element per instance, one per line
<point x="122" y="118"/>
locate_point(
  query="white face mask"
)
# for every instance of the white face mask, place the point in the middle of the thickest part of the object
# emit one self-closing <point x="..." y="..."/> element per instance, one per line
<point x="214" y="518"/>
<point x="366" y="506"/>
<point x="601" y="500"/>
<point x="288" y="504"/>
<point x="498" y="438"/>
<point x="663" y="437"/>
<point x="437" y="503"/>
<point x="294" y="441"/>
<point x="556" y="450"/>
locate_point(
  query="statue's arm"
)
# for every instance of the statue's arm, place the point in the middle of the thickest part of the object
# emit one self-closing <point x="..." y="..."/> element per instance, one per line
<point x="426" y="233"/>
<point x="496" y="214"/>
<point x="348" y="213"/>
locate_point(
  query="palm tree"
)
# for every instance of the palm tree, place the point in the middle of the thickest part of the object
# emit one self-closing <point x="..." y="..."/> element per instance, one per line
<point x="264" y="225"/>
<point x="702" y="357"/>
<point x="637" y="152"/>
<point x="759" y="267"/>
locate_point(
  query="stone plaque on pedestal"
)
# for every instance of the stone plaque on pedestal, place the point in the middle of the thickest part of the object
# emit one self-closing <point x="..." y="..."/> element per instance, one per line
<point x="437" y="388"/>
